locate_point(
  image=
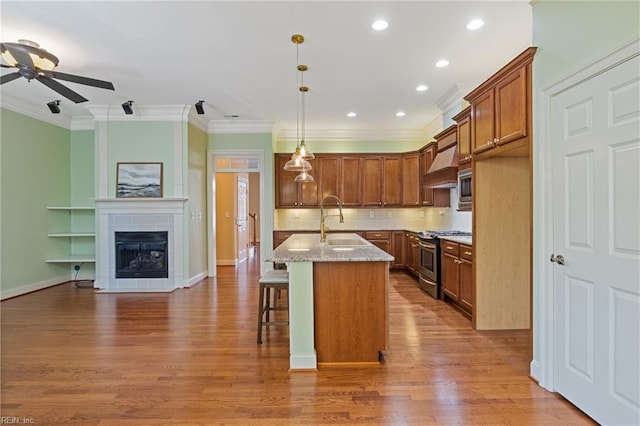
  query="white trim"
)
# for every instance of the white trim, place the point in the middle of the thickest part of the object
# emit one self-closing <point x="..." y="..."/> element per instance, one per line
<point x="140" y="112"/>
<point x="37" y="111"/>
<point x="197" y="279"/>
<point x="303" y="361"/>
<point x="19" y="291"/>
<point x="221" y="127"/>
<point x="82" y="123"/>
<point x="451" y="98"/>
<point x="340" y="135"/>
<point x="178" y="143"/>
<point x="227" y="262"/>
<point x="543" y="369"/>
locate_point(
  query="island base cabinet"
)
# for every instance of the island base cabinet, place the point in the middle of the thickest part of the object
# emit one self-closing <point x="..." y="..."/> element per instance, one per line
<point x="350" y="311"/>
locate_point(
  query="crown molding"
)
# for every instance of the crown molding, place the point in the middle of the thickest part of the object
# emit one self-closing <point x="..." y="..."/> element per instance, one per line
<point x="434" y="127"/>
<point x="407" y="135"/>
<point x="239" y="126"/>
<point x="37" y="111"/>
<point x="199" y="121"/>
<point x="140" y="112"/>
<point x="451" y="98"/>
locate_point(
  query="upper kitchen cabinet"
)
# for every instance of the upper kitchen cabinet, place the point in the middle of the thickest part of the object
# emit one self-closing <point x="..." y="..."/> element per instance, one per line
<point x="429" y="196"/>
<point x="340" y="175"/>
<point x="463" y="119"/>
<point x="290" y="193"/>
<point x="382" y="185"/>
<point x="501" y="110"/>
<point x="411" y="179"/>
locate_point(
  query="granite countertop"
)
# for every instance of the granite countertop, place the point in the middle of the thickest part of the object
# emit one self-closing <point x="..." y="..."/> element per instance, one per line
<point x="337" y="230"/>
<point x="458" y="239"/>
<point x="343" y="247"/>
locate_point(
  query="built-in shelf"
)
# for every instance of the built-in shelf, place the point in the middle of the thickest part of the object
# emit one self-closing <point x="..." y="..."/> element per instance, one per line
<point x="78" y="258"/>
<point x="71" y="234"/>
<point x="73" y="258"/>
<point x="69" y="208"/>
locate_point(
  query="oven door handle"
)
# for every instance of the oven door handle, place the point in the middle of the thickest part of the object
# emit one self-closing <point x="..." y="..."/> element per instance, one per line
<point x="427" y="245"/>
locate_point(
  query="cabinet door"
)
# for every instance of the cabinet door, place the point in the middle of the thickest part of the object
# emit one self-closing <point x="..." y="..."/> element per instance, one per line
<point x="392" y="181"/>
<point x="466" y="285"/>
<point x="415" y="255"/>
<point x="464" y="140"/>
<point x="372" y="181"/>
<point x="482" y="124"/>
<point x="329" y="176"/>
<point x="351" y="181"/>
<point x="450" y="276"/>
<point x="428" y="154"/>
<point x="397" y="249"/>
<point x="411" y="180"/>
<point x="511" y="107"/>
<point x="308" y="191"/>
<point x="286" y="188"/>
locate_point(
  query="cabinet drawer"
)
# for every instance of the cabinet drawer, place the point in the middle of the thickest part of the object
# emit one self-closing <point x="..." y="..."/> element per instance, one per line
<point x="377" y="235"/>
<point x="449" y="247"/>
<point x="466" y="252"/>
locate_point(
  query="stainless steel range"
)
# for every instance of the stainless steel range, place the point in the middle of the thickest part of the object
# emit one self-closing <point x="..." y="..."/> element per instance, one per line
<point x="430" y="280"/>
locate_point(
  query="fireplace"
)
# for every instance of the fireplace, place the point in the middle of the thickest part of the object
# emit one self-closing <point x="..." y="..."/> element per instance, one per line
<point x="141" y="254"/>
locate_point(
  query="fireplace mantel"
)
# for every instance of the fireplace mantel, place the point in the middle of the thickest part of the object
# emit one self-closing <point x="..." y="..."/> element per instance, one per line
<point x="139" y="214"/>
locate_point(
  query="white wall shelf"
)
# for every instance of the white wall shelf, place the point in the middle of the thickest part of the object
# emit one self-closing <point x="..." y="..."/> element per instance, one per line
<point x="78" y="258"/>
<point x="82" y="211"/>
<point x="69" y="208"/>
<point x="71" y="234"/>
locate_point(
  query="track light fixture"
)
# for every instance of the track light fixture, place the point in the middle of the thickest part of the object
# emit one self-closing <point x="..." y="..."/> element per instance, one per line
<point x="199" y="107"/>
<point x="127" y="107"/>
<point x="54" y="106"/>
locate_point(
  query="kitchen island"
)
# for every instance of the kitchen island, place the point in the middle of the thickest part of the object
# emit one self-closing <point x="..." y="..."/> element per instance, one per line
<point x="338" y="299"/>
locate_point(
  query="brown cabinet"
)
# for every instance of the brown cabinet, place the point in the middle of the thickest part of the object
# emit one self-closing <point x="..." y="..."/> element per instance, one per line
<point x="340" y="175"/>
<point x="457" y="277"/>
<point x="381" y="239"/>
<point x="411" y="179"/>
<point x="382" y="181"/>
<point x="501" y="109"/>
<point x="436" y="197"/>
<point x="398" y="249"/>
<point x="463" y="119"/>
<point x="412" y="253"/>
<point x="351" y="181"/>
<point x="290" y="193"/>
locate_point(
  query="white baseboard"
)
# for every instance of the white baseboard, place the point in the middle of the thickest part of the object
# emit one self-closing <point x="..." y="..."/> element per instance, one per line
<point x="534" y="370"/>
<point x="227" y="262"/>
<point x="19" y="291"/>
<point x="197" y="278"/>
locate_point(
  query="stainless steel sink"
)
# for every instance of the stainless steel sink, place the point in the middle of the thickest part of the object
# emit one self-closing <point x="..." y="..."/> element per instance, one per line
<point x="345" y="241"/>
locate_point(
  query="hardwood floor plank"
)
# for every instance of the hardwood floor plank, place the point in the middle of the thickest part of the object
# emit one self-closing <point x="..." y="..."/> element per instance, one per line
<point x="71" y="356"/>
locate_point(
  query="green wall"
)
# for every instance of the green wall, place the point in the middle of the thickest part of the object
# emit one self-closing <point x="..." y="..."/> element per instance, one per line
<point x="141" y="141"/>
<point x="35" y="168"/>
<point x="569" y="35"/>
<point x="197" y="201"/>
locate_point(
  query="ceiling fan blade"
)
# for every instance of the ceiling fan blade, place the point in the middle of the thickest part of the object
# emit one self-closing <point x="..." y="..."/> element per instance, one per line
<point x="19" y="55"/>
<point x="9" y="77"/>
<point x="6" y="66"/>
<point x="63" y="90"/>
<point x="80" y="80"/>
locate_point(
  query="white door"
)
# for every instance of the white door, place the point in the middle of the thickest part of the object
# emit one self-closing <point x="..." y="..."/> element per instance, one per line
<point x="242" y="220"/>
<point x="595" y="148"/>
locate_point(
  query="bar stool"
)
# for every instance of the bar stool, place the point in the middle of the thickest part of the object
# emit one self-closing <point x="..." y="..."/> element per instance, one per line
<point x="277" y="280"/>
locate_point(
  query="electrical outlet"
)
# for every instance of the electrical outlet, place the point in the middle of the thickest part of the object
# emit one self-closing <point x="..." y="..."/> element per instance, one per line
<point x="372" y="214"/>
<point x="389" y="215"/>
<point x="421" y="213"/>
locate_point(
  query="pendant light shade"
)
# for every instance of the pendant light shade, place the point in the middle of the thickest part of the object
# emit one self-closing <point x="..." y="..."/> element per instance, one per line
<point x="300" y="159"/>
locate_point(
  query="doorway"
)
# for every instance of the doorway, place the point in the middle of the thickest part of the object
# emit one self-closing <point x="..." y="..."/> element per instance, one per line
<point x="240" y="174"/>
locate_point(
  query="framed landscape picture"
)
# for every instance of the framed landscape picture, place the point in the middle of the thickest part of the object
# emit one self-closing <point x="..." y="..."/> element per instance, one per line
<point x="139" y="180"/>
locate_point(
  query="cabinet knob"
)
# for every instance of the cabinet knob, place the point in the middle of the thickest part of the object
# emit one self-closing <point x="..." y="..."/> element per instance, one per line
<point x="468" y="253"/>
<point x="449" y="248"/>
<point x="496" y="140"/>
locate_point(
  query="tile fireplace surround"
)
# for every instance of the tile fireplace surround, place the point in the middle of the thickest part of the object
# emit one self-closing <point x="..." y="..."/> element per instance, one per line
<point x="136" y="215"/>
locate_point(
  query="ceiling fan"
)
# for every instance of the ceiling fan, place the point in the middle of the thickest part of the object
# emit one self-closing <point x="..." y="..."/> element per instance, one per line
<point x="33" y="62"/>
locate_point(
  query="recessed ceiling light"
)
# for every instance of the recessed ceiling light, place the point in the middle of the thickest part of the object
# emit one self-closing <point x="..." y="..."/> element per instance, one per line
<point x="442" y="63"/>
<point x="400" y="114"/>
<point x="351" y="114"/>
<point x="422" y="88"/>
<point x="475" y="24"/>
<point x="380" y="25"/>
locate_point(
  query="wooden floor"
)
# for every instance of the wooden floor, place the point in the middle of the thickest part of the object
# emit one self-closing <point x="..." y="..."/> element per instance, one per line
<point x="190" y="357"/>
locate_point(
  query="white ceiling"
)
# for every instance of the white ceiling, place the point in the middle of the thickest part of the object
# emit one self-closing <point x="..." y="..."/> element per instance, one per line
<point x="238" y="56"/>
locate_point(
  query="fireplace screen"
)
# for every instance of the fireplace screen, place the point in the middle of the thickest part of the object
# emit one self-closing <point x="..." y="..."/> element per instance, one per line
<point x="141" y="255"/>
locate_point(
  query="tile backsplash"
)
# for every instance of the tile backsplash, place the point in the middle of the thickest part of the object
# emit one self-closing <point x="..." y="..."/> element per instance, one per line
<point x="415" y="219"/>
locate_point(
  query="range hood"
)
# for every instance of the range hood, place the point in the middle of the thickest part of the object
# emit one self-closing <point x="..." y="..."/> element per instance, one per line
<point x="443" y="172"/>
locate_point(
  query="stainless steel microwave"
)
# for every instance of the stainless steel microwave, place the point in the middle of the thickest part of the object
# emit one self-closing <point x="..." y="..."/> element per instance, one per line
<point x="465" y="189"/>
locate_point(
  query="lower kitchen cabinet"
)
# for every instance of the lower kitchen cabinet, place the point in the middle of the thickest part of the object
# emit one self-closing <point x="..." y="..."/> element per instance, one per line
<point x="398" y="250"/>
<point x="380" y="239"/>
<point x="412" y="260"/>
<point x="457" y="276"/>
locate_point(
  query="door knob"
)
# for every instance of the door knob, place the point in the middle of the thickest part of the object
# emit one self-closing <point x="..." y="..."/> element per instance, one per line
<point x="559" y="259"/>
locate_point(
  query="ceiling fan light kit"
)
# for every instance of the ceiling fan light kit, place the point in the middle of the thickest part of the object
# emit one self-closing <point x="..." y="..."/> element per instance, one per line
<point x="127" y="107"/>
<point x="199" y="107"/>
<point x="35" y="63"/>
<point x="54" y="106"/>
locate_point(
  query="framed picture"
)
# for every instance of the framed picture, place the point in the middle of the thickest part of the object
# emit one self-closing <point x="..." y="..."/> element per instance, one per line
<point x="139" y="180"/>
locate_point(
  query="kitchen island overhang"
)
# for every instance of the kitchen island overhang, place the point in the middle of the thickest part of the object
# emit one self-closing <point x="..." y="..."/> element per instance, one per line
<point x="338" y="299"/>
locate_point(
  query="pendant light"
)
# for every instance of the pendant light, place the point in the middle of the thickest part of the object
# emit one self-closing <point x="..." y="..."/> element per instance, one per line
<point x="300" y="158"/>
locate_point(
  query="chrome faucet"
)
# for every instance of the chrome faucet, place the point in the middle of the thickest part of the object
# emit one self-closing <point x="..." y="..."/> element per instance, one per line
<point x="323" y="217"/>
